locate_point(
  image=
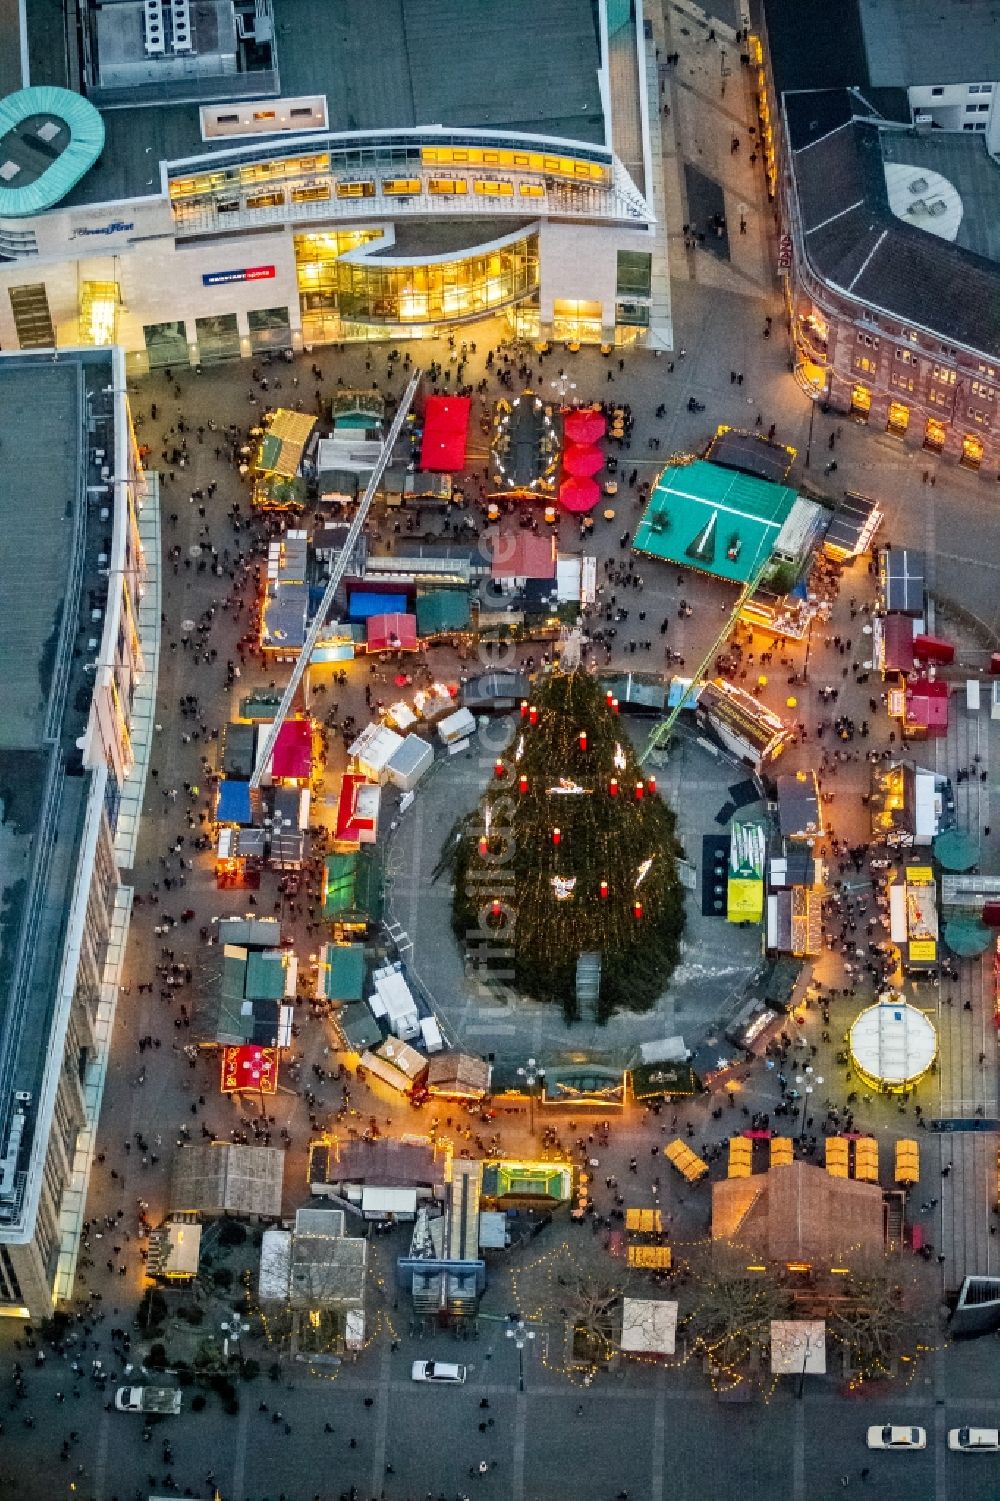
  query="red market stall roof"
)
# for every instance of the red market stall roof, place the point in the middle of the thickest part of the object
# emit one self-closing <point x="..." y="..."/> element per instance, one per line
<point x="582" y="460"/>
<point x="249" y="1067"/>
<point x="392" y="633"/>
<point x="356" y="824"/>
<point x="521" y="554"/>
<point x="292" y="758"/>
<point x="933" y="649"/>
<point x="584" y="425"/>
<point x="579" y="494"/>
<point x="897" y="631"/>
<point x="927" y="706"/>
<point x="446" y="423"/>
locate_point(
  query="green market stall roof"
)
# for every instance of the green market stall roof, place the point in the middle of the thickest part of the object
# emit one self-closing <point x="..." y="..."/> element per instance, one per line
<point x="527" y="1180"/>
<point x="352" y="888"/>
<point x="342" y="971"/>
<point x="652" y="1081"/>
<point x="442" y="610"/>
<point x="717" y="520"/>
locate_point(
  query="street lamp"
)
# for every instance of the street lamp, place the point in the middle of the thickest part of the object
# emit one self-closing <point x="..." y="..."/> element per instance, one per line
<point x="562" y="385"/>
<point x="232" y="1331"/>
<point x="806" y="1079"/>
<point x="520" y="1334"/>
<point x="532" y="1074"/>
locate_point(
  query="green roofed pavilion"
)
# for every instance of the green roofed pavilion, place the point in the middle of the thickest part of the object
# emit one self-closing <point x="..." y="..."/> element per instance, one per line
<point x="717" y="520"/>
<point x="49" y="138"/>
<point x="442" y="610"/>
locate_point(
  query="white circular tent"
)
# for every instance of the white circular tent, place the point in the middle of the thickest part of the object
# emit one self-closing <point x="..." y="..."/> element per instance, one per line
<point x="892" y="1044"/>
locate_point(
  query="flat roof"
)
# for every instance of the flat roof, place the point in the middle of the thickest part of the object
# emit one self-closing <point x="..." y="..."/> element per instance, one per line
<point x="44" y="693"/>
<point x="723" y="522"/>
<point x="914" y="42"/>
<point x="517" y="66"/>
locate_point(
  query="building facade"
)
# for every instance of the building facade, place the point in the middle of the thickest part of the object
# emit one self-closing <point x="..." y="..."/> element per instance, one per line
<point x="76" y="714"/>
<point x="231" y="228"/>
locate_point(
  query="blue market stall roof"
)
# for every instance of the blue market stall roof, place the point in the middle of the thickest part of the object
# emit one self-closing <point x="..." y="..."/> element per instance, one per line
<point x="49" y="138"/>
<point x="717" y="520"/>
<point x="235" y="803"/>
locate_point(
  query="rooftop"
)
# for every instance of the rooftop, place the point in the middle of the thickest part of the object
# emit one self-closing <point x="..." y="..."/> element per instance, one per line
<point x="913" y="42"/>
<point x="453" y="63"/>
<point x="49" y="582"/>
<point x="867" y="195"/>
<point x="718" y="520"/>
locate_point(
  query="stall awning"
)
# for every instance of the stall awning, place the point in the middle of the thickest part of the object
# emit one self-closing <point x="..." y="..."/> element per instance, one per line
<point x="392" y="633"/>
<point x="446" y="423"/>
<point x="584" y="425"/>
<point x="897" y="632"/>
<point x="292" y="758"/>
<point x="234" y="803"/>
<point x="343" y="971"/>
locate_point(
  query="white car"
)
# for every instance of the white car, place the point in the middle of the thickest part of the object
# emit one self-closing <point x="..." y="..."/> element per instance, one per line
<point x="891" y="1437"/>
<point x="974" y="1440"/>
<point x="438" y="1370"/>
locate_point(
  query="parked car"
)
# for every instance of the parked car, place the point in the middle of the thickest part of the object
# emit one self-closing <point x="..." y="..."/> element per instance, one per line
<point x="891" y="1437"/>
<point x="438" y="1370"/>
<point x="974" y="1440"/>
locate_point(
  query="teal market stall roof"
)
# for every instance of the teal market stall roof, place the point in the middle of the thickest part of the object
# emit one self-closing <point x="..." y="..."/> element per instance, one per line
<point x="967" y="936"/>
<point x="703" y="516"/>
<point x="956" y="849"/>
<point x="49" y="138"/>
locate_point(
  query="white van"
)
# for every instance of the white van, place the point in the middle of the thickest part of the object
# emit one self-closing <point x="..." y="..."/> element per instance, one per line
<point x="430" y="1034"/>
<point x="438" y="1370"/>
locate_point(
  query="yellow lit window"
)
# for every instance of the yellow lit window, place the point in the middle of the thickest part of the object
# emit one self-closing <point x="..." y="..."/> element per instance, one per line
<point x="531" y="190"/>
<point x="447" y="186"/>
<point x="487" y="189"/>
<point x="317" y="192"/>
<point x="394" y="186"/>
<point x="356" y="189"/>
<point x="265" y="200"/>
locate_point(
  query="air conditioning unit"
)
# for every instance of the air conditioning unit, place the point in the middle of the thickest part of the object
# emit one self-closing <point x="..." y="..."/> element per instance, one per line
<point x="22" y="1097"/>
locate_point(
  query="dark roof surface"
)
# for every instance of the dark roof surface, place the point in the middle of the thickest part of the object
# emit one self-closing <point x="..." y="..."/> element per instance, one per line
<point x="913" y="42"/>
<point x="400" y="63"/>
<point x="854" y="241"/>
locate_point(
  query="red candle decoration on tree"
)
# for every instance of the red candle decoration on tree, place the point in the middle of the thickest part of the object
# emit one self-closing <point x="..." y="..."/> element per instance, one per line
<point x="639" y="790"/>
<point x="524" y="708"/>
<point x="522" y="784"/>
<point x="495" y="910"/>
<point x="583" y="740"/>
<point x="614" y="706"/>
<point x="651" y="784"/>
<point x="484" y="844"/>
<point x="557" y="836"/>
<point x="637" y="909"/>
<point x="532" y="714"/>
<point x="604" y="891"/>
<point x="613" y="787"/>
<point x="498" y="769"/>
<point x="609" y="698"/>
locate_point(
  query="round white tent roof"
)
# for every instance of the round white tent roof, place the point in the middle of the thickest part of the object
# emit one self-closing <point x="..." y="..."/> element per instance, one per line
<point x="894" y="1042"/>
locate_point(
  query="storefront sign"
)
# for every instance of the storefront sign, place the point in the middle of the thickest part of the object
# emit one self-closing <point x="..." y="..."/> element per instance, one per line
<point x="116" y="227"/>
<point x="785" y="253"/>
<point x="245" y="273"/>
<point x="249" y="1067"/>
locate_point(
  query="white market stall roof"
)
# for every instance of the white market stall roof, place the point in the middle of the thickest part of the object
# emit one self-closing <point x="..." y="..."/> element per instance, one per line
<point x="798" y="1345"/>
<point x="649" y="1326"/>
<point x="893" y="1041"/>
<point x="275" y="1265"/>
<point x="375" y="746"/>
<point x="378" y="1200"/>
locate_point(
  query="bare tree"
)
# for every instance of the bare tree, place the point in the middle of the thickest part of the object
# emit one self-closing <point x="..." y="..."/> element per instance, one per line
<point x="885" y="1311"/>
<point x="730" y="1312"/>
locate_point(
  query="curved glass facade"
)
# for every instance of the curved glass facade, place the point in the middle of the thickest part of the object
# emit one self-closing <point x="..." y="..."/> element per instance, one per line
<point x="334" y="292"/>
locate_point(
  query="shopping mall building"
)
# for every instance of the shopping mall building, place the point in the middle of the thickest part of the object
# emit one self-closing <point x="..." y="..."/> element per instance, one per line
<point x="79" y="640"/>
<point x="202" y="179"/>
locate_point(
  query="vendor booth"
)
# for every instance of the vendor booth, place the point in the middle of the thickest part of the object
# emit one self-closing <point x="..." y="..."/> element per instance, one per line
<point x="892" y="1045"/>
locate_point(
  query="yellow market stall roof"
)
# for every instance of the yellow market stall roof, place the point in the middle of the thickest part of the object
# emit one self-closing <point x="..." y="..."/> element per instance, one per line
<point x="650" y="1258"/>
<point x="282" y="446"/>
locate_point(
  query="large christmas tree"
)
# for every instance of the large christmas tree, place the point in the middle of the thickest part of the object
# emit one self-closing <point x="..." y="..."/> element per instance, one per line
<point x="571" y="850"/>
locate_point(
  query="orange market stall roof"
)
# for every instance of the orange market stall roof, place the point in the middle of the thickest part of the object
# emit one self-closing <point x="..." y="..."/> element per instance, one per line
<point x="446" y="423"/>
<point x="283" y="444"/>
<point x="292" y="756"/>
<point x="522" y="554"/>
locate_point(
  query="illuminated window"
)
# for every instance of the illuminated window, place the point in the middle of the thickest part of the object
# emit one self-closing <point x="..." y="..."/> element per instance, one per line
<point x="316" y="193"/>
<point x="365" y="189"/>
<point x="448" y="186"/>
<point x="488" y="189"/>
<point x="531" y="190"/>
<point x="398" y="186"/>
